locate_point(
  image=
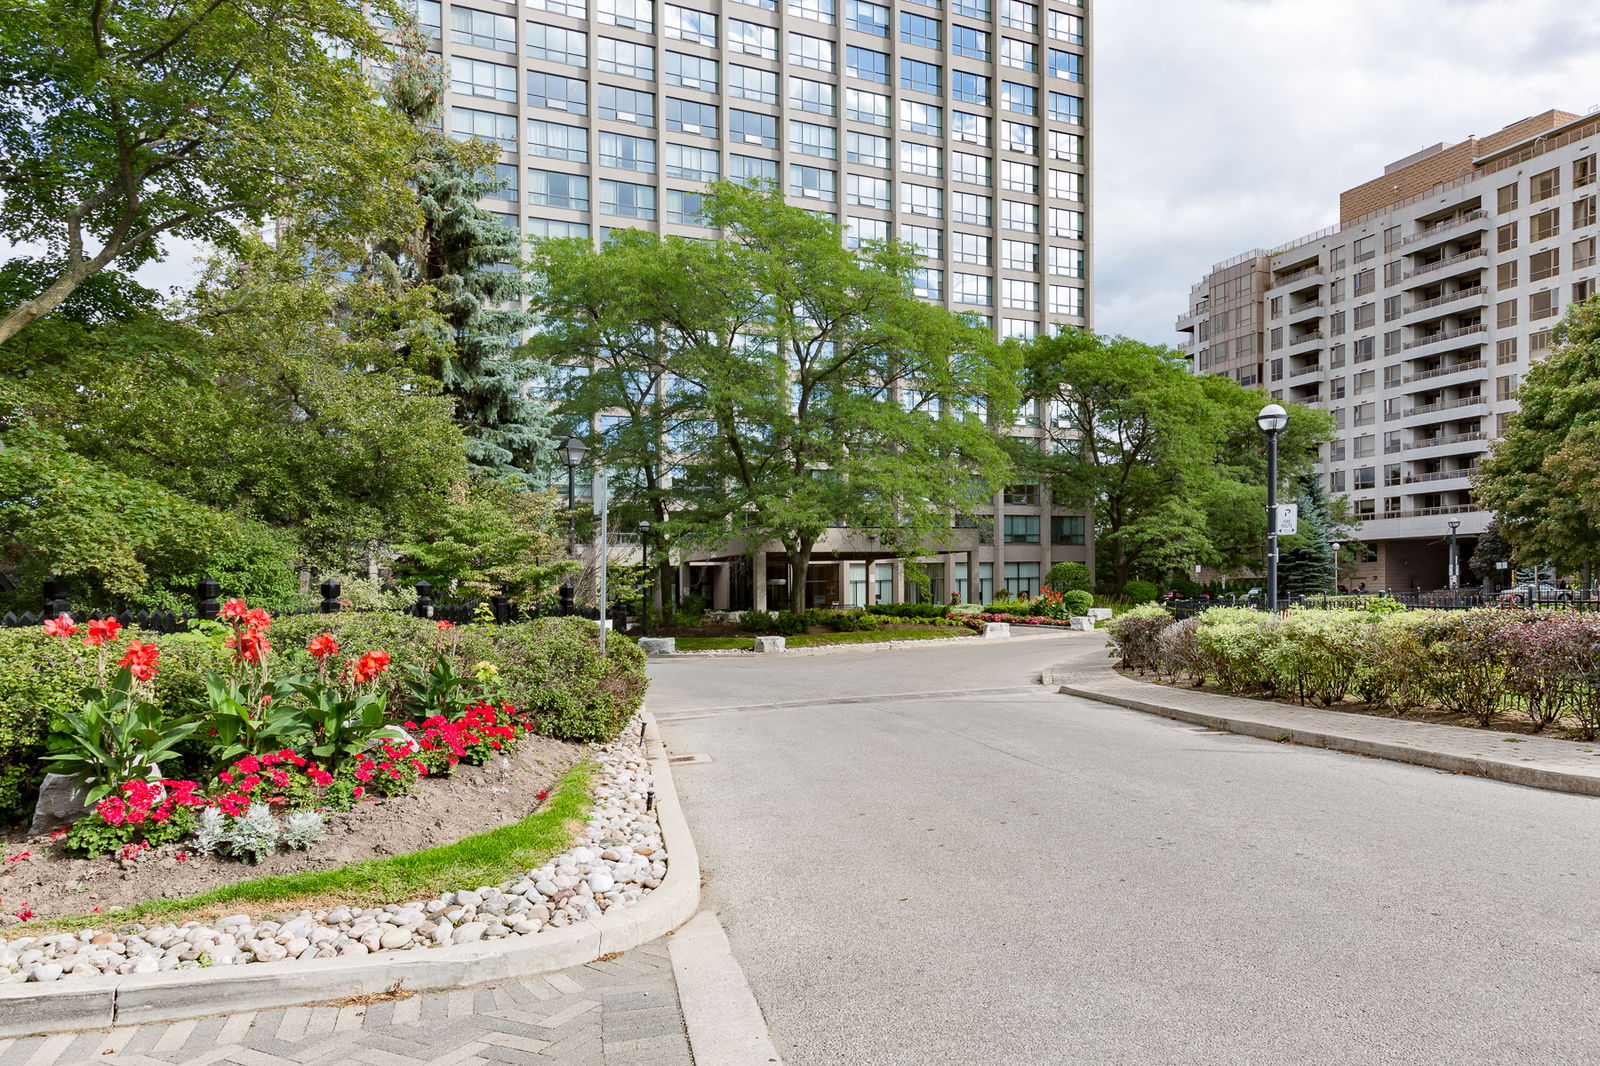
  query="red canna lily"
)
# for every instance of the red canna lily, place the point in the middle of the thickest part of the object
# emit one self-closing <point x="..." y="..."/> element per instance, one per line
<point x="102" y="631"/>
<point x="140" y="659"/>
<point x="323" y="646"/>
<point x="61" y="626"/>
<point x="233" y="609"/>
<point x="371" y="665"/>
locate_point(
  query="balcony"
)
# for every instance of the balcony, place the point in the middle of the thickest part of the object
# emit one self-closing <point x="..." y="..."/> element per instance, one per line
<point x="1314" y="270"/>
<point x="1306" y="308"/>
<point x="1440" y="442"/>
<point x="1444" y="335"/>
<point x="1441" y="475"/>
<point x="1305" y="338"/>
<point x="1423" y="512"/>
<point x="1439" y="372"/>
<point x="1446" y="405"/>
<point x="1447" y="298"/>
<point x="1314" y="368"/>
<point x="1428" y="236"/>
<point x="1454" y="260"/>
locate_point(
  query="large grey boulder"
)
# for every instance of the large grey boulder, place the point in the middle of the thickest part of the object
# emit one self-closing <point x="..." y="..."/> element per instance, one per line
<point x="1100" y="614"/>
<point x="658" y="645"/>
<point x="992" y="630"/>
<point x="770" y="644"/>
<point x="63" y="799"/>
<point x="1081" y="624"/>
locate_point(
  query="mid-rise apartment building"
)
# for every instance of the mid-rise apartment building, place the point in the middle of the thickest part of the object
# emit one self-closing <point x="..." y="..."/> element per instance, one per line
<point x="960" y="127"/>
<point x="1413" y="321"/>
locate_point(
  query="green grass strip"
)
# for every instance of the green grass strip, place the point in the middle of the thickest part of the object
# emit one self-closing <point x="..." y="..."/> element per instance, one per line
<point x="483" y="859"/>
<point x="814" y="640"/>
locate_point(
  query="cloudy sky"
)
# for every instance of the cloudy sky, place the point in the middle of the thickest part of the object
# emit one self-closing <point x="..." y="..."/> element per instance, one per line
<point x="1235" y="124"/>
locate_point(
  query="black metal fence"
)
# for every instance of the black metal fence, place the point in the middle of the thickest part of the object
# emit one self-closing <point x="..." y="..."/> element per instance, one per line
<point x="496" y="609"/>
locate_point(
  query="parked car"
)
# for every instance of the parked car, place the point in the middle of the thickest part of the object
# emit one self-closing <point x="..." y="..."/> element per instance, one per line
<point x="1535" y="593"/>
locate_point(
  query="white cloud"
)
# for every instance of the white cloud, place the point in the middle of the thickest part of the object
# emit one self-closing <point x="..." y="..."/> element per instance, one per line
<point x="1232" y="125"/>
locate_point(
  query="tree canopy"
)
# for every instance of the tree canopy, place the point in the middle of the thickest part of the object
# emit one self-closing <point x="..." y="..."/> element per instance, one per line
<point x="1541" y="478"/>
<point x="774" y="383"/>
<point x="1171" y="463"/>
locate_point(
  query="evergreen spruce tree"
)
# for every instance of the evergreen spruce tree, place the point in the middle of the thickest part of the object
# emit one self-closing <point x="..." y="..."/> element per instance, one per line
<point x="1305" y="563"/>
<point x="462" y="251"/>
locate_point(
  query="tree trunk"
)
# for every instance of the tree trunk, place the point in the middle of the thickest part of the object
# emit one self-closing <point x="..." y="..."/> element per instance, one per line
<point x="799" y="563"/>
<point x="74" y="275"/>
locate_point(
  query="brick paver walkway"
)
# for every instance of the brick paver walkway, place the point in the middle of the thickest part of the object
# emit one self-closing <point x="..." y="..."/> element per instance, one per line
<point x="618" y="1012"/>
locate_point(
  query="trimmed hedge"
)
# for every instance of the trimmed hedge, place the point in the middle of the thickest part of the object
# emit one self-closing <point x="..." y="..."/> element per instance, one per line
<point x="1069" y="577"/>
<point x="910" y="610"/>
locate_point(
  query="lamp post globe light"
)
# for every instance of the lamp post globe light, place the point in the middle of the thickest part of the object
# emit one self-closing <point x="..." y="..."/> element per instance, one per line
<point x="1336" y="545"/>
<point x="1455" y="560"/>
<point x="1272" y="420"/>
<point x="644" y="593"/>
<point x="573" y="450"/>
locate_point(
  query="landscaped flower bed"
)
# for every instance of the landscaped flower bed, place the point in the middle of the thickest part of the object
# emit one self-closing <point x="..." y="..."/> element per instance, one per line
<point x="1504" y="668"/>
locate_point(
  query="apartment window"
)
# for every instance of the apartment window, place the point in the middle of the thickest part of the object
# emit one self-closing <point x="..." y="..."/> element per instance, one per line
<point x="1366" y="508"/>
<point x="750" y="127"/>
<point x="862" y="190"/>
<point x="973" y="9"/>
<point x="1365" y="445"/>
<point x="1019" y="177"/>
<point x="866" y="149"/>
<point x="691" y="72"/>
<point x="969" y="248"/>
<point x="917" y="117"/>
<point x="808" y="138"/>
<point x="1362" y="351"/>
<point x="1391" y="308"/>
<point x="634" y="14"/>
<point x="626" y="105"/>
<point x="1019" y="255"/>
<point x="972" y="289"/>
<point x="969" y="42"/>
<point x="1066" y="300"/>
<point x="1065" y="27"/>
<point x="505" y="176"/>
<point x="1544" y="225"/>
<point x="1336" y="360"/>
<point x="866" y="107"/>
<point x="483" y="29"/>
<point x="919" y="76"/>
<point x="499" y="129"/>
<point x="1366" y="316"/>
<point x="919" y="30"/>
<point x="1336" y="449"/>
<point x="1391" y="342"/>
<point x="685" y="208"/>
<point x="813" y="52"/>
<point x="928" y="283"/>
<point x="1392" y="374"/>
<point x="920" y="159"/>
<point x="1542" y="305"/>
<point x="1016" y="215"/>
<point x="555" y="141"/>
<point x="1023" y="99"/>
<point x="1545" y="264"/>
<point x="815" y="10"/>
<point x="1366" y="247"/>
<point x="1019" y="16"/>
<point x="1336" y="481"/>
<point x="629" y="59"/>
<point x="1019" y="295"/>
<point x="859" y="231"/>
<point x="1506" y="237"/>
<point x="688" y="24"/>
<point x="1365" y="282"/>
<point x="1505" y="275"/>
<point x="548" y="188"/>
<point x="1583" y="171"/>
<point x="867" y="63"/>
<point x="1583" y="212"/>
<point x="748" y="168"/>
<point x="688" y="116"/>
<point x="1019" y="54"/>
<point x="1391" y="272"/>
<point x="1336" y="324"/>
<point x="696" y="164"/>
<point x="554" y="44"/>
<point x="1506" y="313"/>
<point x="1022" y="529"/>
<point x="921" y="200"/>
<point x="558" y="93"/>
<point x="867" y="18"/>
<point x="969" y="87"/>
<point x="1504" y="387"/>
<point x="476" y="77"/>
<point x="1366" y="381"/>
<point x="551" y="227"/>
<point x="969" y="129"/>
<point x="627" y="153"/>
<point x="1066" y="529"/>
<point x="928" y="240"/>
<point x="1366" y="413"/>
<point x="1065" y="222"/>
<point x="749" y="83"/>
<point x="972" y="169"/>
<point x="1366" y="478"/>
<point x="1582" y="290"/>
<point x="1505" y="351"/>
<point x="1583" y="253"/>
<point x="561" y="7"/>
<point x="814" y="96"/>
<point x="627" y="199"/>
<point x="1068" y="65"/>
<point x="1276" y="341"/>
<point x="752" y="39"/>
<point x="1506" y="199"/>
<point x="1543" y="186"/>
<point x="1019" y="137"/>
<point x="813" y="183"/>
<point x="1069" y="263"/>
<point x="1539" y="341"/>
<point x="1064" y="107"/>
<point x="1023" y="578"/>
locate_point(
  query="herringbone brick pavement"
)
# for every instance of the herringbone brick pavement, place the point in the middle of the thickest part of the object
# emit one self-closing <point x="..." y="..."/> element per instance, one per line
<point x="615" y="1012"/>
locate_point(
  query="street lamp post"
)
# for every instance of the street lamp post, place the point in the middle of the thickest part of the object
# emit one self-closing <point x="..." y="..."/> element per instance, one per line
<point x="1336" y="546"/>
<point x="573" y="450"/>
<point x="1455" y="560"/>
<point x="1272" y="420"/>
<point x="644" y="595"/>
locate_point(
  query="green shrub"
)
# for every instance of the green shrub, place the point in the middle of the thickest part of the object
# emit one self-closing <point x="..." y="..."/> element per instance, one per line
<point x="758" y="622"/>
<point x="1178" y="650"/>
<point x="1077" y="601"/>
<point x="910" y="610"/>
<point x="1140" y="592"/>
<point x="1136" y="633"/>
<point x="1069" y="577"/>
<point x="1234" y="647"/>
<point x="849" y="621"/>
<point x="40" y="677"/>
<point x="966" y="608"/>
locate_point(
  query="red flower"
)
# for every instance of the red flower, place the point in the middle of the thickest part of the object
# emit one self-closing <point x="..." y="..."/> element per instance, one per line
<point x="371" y="665"/>
<point x="250" y="646"/>
<point x="323" y="646"/>
<point x="256" y="618"/>
<point x="141" y="659"/>
<point x="233" y="609"/>
<point x="444" y="625"/>
<point x="102" y="631"/>
<point x="543" y="793"/>
<point x="61" y="626"/>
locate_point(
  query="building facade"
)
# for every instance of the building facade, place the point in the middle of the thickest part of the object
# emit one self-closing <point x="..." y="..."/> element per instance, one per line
<point x="1412" y="321"/>
<point x="961" y="128"/>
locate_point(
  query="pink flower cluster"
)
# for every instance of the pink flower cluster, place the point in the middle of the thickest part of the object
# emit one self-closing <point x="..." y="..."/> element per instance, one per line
<point x="481" y="725"/>
<point x="148" y="801"/>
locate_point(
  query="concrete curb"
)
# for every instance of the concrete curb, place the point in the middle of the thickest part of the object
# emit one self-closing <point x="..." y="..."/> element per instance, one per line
<point x="1514" y="773"/>
<point x="102" y="1002"/>
<point x="1032" y="633"/>
<point x="720" y="1012"/>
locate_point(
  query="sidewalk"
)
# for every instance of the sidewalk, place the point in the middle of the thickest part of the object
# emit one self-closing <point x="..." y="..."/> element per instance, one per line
<point x="613" y="1012"/>
<point x="1538" y="762"/>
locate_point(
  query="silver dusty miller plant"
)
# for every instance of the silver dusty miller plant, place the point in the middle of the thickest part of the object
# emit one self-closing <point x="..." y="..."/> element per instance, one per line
<point x="301" y="829"/>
